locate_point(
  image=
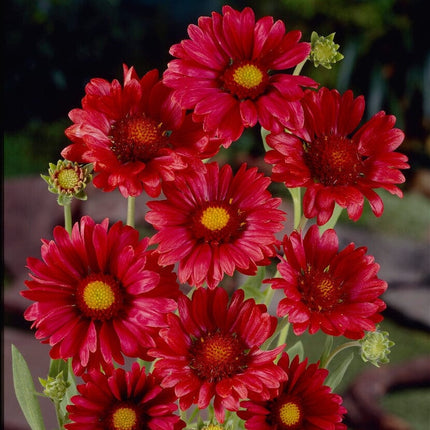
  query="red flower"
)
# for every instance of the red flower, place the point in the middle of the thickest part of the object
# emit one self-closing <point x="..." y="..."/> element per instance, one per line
<point x="212" y="350"/>
<point x="325" y="289"/>
<point x="229" y="72"/>
<point x="123" y="401"/>
<point x="98" y="294"/>
<point x="214" y="223"/>
<point x="335" y="164"/>
<point x="135" y="135"/>
<point x="303" y="402"/>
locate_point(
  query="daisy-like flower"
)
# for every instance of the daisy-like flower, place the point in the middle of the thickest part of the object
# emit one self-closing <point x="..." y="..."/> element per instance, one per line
<point x="135" y="135"/>
<point x="214" y="223"/>
<point x="231" y="72"/>
<point x="334" y="163"/>
<point x="130" y="400"/>
<point x="212" y="350"/>
<point x="98" y="294"/>
<point x="303" y="402"/>
<point x="335" y="291"/>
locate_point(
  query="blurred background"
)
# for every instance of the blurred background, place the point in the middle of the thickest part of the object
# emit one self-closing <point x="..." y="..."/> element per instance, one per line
<point x="52" y="48"/>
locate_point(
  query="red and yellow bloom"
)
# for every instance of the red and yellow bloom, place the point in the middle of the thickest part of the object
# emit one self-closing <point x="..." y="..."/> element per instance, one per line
<point x="303" y="402"/>
<point x="335" y="291"/>
<point x="98" y="294"/>
<point x="130" y="400"/>
<point x="212" y="350"/>
<point x="214" y="223"/>
<point x="334" y="163"/>
<point x="231" y="72"/>
<point x="135" y="135"/>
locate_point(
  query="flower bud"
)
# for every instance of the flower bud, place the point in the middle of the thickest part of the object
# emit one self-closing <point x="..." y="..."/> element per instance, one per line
<point x="324" y="52"/>
<point x="375" y="347"/>
<point x="55" y="388"/>
<point x="68" y="179"/>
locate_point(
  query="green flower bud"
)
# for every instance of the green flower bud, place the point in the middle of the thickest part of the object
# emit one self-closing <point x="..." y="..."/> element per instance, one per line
<point x="324" y="52"/>
<point x="55" y="388"/>
<point x="68" y="179"/>
<point x="375" y="347"/>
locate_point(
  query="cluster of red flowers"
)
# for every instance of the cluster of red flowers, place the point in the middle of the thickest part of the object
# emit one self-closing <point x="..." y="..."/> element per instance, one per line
<point x="101" y="294"/>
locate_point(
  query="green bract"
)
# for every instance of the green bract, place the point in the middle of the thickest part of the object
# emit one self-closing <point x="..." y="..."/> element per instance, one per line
<point x="375" y="347"/>
<point x="68" y="179"/>
<point x="324" y="52"/>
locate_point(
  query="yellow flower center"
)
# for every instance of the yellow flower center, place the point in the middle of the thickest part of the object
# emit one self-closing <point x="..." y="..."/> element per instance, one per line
<point x="143" y="131"/>
<point x="217" y="356"/>
<point x="289" y="414"/>
<point x="248" y="76"/>
<point x="68" y="179"/>
<point x="124" y="419"/>
<point x="325" y="288"/>
<point x="98" y="295"/>
<point x="212" y="427"/>
<point x="137" y="138"/>
<point x="215" y="218"/>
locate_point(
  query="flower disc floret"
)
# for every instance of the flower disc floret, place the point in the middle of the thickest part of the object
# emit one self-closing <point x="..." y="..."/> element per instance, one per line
<point x="99" y="294"/>
<point x="335" y="291"/>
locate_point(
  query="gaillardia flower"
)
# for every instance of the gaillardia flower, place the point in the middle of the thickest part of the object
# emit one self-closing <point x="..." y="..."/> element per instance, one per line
<point x="333" y="163"/>
<point x="130" y="400"/>
<point x="231" y="72"/>
<point x="212" y="350"/>
<point x="303" y="402"/>
<point x="135" y="135"/>
<point x="214" y="223"/>
<point x="98" y="293"/>
<point x="335" y="291"/>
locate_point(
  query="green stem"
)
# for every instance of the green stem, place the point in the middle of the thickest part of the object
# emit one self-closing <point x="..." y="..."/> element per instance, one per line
<point x="299" y="67"/>
<point x="131" y="209"/>
<point x="325" y="363"/>
<point x="333" y="220"/>
<point x="60" y="417"/>
<point x="296" y="195"/>
<point x="68" y="217"/>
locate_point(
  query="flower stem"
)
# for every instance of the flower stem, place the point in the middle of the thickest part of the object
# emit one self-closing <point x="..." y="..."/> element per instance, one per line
<point x="333" y="220"/>
<point x="68" y="217"/>
<point x="131" y="209"/>
<point x="297" y="205"/>
<point x="326" y="362"/>
<point x="299" y="67"/>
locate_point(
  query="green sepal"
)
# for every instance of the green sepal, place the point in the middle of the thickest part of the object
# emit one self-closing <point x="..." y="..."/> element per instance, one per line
<point x="25" y="391"/>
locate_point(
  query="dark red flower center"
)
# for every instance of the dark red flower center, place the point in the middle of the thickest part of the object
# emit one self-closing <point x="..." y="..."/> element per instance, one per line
<point x="286" y="413"/>
<point x="333" y="160"/>
<point x="218" y="222"/>
<point x="245" y="80"/>
<point x="124" y="416"/>
<point x="99" y="296"/>
<point x="216" y="356"/>
<point x="137" y="138"/>
<point x="319" y="290"/>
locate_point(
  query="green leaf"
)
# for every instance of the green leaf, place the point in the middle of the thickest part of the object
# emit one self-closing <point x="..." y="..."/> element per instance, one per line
<point x="335" y="377"/>
<point x="296" y="349"/>
<point x="328" y="344"/>
<point x="25" y="391"/>
<point x="252" y="286"/>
